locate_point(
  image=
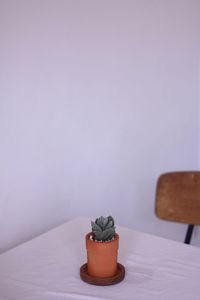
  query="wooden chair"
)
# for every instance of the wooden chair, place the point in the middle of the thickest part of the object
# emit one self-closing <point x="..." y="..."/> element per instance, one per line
<point x="178" y="199"/>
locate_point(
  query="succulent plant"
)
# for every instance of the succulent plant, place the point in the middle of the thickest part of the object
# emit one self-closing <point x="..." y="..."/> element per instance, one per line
<point x="103" y="229"/>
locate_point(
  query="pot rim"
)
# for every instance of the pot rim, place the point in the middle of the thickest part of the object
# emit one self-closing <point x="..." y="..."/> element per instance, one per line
<point x="116" y="237"/>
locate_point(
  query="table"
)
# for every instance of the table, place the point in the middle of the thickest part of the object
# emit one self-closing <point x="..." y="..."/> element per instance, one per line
<point x="47" y="267"/>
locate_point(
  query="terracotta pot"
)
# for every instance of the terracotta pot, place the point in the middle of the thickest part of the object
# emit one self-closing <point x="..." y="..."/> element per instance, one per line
<point x="102" y="257"/>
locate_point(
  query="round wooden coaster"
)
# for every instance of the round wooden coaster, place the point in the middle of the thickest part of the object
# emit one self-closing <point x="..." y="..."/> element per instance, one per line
<point x="118" y="277"/>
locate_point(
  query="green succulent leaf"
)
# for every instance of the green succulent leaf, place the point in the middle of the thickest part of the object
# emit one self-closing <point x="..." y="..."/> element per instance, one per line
<point x="105" y="222"/>
<point x="110" y="224"/>
<point x="99" y="222"/>
<point x="111" y="220"/>
<point x="108" y="234"/>
<point x="95" y="227"/>
<point x="103" y="228"/>
<point x="102" y="222"/>
<point x="98" y="235"/>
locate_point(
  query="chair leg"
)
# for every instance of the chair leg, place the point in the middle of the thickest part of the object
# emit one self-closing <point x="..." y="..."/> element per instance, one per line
<point x="189" y="234"/>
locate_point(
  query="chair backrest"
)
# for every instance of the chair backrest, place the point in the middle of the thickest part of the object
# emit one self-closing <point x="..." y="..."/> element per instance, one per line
<point x="178" y="197"/>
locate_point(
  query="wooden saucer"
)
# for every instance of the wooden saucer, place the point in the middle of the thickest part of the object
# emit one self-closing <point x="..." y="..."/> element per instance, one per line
<point x="118" y="277"/>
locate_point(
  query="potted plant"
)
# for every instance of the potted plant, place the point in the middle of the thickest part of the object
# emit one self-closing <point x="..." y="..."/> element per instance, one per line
<point x="102" y="248"/>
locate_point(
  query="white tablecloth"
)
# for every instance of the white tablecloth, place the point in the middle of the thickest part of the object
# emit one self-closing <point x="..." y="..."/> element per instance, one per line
<point x="47" y="268"/>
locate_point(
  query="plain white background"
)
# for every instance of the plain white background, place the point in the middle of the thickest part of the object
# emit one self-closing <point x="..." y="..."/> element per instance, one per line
<point x="97" y="99"/>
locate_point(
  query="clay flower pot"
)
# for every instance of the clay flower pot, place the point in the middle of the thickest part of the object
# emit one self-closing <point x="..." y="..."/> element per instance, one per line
<point x="102" y="257"/>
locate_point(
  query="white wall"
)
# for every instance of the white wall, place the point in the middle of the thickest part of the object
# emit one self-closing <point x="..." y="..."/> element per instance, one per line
<point x="97" y="98"/>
